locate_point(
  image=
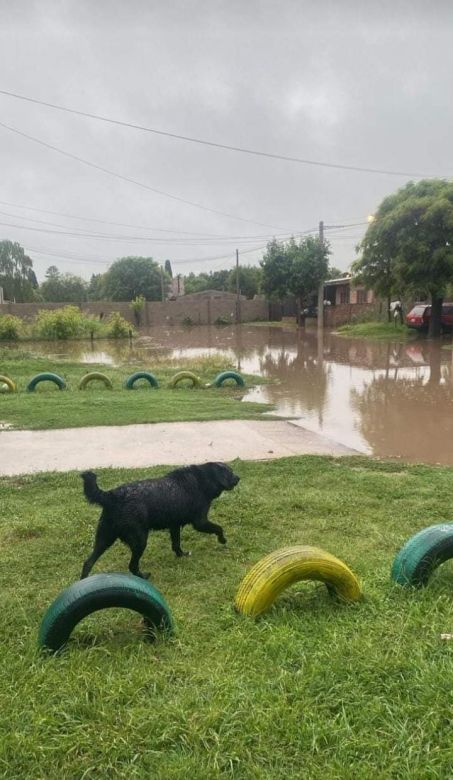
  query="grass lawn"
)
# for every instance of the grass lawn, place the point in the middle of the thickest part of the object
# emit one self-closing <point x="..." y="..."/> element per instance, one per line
<point x="377" y="330"/>
<point x="313" y="689"/>
<point x="48" y="407"/>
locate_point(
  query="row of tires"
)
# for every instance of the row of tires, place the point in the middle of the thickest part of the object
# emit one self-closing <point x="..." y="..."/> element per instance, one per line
<point x="130" y="382"/>
<point x="261" y="586"/>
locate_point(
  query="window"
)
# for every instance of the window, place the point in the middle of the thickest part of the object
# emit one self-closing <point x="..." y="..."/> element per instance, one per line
<point x="362" y="296"/>
<point x="344" y="294"/>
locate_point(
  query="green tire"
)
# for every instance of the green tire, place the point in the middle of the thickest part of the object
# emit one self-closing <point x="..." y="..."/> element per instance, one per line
<point x="133" y="378"/>
<point x="196" y="381"/>
<point x="102" y="591"/>
<point x="221" y="378"/>
<point x="95" y="376"/>
<point x="422" y="554"/>
<point x="5" y="380"/>
<point x="46" y="376"/>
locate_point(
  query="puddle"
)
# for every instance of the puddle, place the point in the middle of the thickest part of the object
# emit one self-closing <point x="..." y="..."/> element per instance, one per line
<point x="387" y="399"/>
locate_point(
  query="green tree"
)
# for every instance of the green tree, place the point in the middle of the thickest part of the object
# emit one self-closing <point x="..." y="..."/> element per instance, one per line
<point x="409" y="245"/>
<point x="276" y="270"/>
<point x="64" y="288"/>
<point x="309" y="259"/>
<point x="335" y="273"/>
<point x="216" y="280"/>
<point x="168" y="269"/>
<point x="96" y="287"/>
<point x="16" y="272"/>
<point x="130" y="277"/>
<point x="249" y="280"/>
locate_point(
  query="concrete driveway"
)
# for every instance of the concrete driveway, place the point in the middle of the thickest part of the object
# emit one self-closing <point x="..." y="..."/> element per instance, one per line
<point x="136" y="446"/>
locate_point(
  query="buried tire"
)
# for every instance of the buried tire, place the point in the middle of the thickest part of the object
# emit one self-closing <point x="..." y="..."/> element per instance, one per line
<point x="133" y="378"/>
<point x="47" y="376"/>
<point x="5" y="380"/>
<point x="422" y="554"/>
<point x="196" y="381"/>
<point x="221" y="378"/>
<point x="95" y="376"/>
<point x="102" y="591"/>
<point x="277" y="571"/>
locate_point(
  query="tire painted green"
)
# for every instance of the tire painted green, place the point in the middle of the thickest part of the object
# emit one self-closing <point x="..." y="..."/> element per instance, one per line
<point x="5" y="380"/>
<point x="221" y="378"/>
<point x="46" y="376"/>
<point x="133" y="378"/>
<point x="93" y="376"/>
<point x="196" y="381"/>
<point x="422" y="554"/>
<point x="102" y="591"/>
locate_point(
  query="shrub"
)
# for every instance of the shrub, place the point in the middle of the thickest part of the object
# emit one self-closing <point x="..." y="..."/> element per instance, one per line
<point x="65" y="323"/>
<point x="137" y="306"/>
<point x="221" y="321"/>
<point x="10" y="327"/>
<point x="118" y="327"/>
<point x="187" y="322"/>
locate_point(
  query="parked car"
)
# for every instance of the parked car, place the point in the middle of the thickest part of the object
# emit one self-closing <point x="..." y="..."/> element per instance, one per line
<point x="420" y="315"/>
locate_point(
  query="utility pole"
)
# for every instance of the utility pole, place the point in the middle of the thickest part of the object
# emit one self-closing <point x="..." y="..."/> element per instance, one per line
<point x="162" y="286"/>
<point x="321" y="287"/>
<point x="238" y="291"/>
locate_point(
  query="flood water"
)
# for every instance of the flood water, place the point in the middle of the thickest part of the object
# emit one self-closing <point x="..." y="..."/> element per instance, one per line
<point x="386" y="399"/>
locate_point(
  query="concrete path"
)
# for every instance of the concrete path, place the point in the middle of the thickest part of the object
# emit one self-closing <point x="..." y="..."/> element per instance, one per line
<point x="26" y="452"/>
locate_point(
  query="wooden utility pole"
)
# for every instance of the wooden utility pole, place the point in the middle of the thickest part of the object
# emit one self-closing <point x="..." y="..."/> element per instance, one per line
<point x="162" y="286"/>
<point x="321" y="287"/>
<point x="238" y="290"/>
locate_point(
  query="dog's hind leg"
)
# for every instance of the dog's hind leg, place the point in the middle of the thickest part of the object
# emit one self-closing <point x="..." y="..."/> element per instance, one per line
<point x="175" y="534"/>
<point x="137" y="543"/>
<point x="206" y="527"/>
<point x="104" y="539"/>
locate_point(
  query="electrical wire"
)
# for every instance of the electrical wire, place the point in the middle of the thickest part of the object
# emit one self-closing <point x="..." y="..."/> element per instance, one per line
<point x="132" y="181"/>
<point x="228" y="147"/>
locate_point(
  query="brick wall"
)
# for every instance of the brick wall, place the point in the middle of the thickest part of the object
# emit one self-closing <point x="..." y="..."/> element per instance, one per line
<point x="347" y="312"/>
<point x="201" y="308"/>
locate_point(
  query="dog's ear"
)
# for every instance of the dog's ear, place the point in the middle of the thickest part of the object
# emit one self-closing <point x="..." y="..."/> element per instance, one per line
<point x="221" y="473"/>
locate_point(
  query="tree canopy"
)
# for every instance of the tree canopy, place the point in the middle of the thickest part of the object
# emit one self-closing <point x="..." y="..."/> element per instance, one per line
<point x="130" y="277"/>
<point x="66" y="288"/>
<point x="16" y="272"/>
<point x="408" y="247"/>
<point x="295" y="268"/>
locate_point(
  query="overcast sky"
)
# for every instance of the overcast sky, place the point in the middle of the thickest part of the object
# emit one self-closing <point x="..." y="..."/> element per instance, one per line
<point x="364" y="84"/>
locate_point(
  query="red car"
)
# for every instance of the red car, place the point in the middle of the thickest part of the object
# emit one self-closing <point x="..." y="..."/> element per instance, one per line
<point x="420" y="316"/>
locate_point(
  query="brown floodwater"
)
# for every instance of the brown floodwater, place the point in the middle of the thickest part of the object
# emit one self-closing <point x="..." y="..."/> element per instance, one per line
<point x="382" y="398"/>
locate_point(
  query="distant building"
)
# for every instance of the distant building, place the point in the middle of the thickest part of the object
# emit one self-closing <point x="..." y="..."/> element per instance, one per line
<point x="344" y="291"/>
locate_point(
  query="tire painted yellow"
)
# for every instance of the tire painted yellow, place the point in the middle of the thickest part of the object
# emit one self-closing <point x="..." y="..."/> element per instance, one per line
<point x="5" y="380"/>
<point x="277" y="571"/>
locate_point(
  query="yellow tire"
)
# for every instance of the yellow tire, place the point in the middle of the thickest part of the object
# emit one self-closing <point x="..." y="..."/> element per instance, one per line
<point x="5" y="380"/>
<point x="277" y="571"/>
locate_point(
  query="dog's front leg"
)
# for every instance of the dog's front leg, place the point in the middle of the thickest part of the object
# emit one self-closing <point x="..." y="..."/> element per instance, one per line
<point x="175" y="533"/>
<point x="206" y="527"/>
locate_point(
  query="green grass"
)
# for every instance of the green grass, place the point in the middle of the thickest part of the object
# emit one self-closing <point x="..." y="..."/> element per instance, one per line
<point x="376" y="330"/>
<point x="49" y="407"/>
<point x="313" y="689"/>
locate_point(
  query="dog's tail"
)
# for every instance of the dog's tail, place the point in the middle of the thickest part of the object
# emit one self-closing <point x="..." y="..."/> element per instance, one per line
<point x="93" y="494"/>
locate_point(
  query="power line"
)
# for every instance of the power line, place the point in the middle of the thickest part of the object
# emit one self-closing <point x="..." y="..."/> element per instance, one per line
<point x="204" y="142"/>
<point x="124" y="224"/>
<point x="132" y="181"/>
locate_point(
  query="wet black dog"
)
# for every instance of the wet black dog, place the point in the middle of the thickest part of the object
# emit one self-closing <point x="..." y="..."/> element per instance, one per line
<point x="131" y="511"/>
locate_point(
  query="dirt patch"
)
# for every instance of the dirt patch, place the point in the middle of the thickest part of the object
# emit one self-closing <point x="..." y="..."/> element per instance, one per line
<point x="16" y="535"/>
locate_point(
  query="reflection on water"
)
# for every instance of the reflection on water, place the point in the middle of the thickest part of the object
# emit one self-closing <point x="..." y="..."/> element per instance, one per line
<point x="389" y="399"/>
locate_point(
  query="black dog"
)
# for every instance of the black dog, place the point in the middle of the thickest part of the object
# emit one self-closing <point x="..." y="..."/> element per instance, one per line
<point x="131" y="511"/>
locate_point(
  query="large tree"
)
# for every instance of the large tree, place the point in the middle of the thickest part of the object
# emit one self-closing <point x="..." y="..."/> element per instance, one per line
<point x="309" y="260"/>
<point x="249" y="280"/>
<point x="408" y="247"/>
<point x="16" y="272"/>
<point x="276" y="267"/>
<point x="130" y="277"/>
<point x="66" y="288"/>
<point x="296" y="268"/>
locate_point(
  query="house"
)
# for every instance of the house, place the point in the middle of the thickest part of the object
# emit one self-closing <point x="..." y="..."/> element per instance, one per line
<point x="344" y="291"/>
